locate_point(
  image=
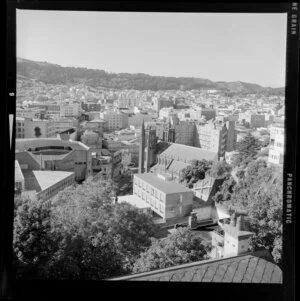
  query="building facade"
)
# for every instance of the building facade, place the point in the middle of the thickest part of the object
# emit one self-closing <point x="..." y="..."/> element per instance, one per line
<point x="166" y="199"/>
<point x="70" y="110"/>
<point x="276" y="148"/>
<point x="54" y="154"/>
<point x="115" y="119"/>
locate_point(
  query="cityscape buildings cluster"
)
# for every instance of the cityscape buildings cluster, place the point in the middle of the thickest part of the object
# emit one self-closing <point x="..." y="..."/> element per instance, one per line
<point x="64" y="135"/>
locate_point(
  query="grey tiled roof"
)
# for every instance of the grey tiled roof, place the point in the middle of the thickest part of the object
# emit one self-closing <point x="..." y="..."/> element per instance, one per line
<point x="245" y="268"/>
<point x="185" y="153"/>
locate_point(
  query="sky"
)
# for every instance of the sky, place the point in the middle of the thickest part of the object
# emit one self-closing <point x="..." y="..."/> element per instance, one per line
<point x="216" y="46"/>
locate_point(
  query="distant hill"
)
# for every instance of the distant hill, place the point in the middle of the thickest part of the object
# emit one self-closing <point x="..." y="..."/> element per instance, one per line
<point x="56" y="74"/>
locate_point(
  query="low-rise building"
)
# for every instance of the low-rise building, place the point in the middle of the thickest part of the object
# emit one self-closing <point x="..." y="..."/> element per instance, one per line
<point x="166" y="199"/>
<point x="54" y="154"/>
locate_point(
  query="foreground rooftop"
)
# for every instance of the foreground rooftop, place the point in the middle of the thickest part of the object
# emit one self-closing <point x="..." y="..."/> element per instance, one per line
<point x="247" y="268"/>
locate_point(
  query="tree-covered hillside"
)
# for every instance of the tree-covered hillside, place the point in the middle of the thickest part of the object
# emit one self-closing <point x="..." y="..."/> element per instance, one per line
<point x="56" y="74"/>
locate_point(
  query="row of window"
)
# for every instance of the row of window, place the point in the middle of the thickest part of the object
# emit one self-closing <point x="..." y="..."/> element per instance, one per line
<point x="273" y="157"/>
<point x="147" y="188"/>
<point x="62" y="186"/>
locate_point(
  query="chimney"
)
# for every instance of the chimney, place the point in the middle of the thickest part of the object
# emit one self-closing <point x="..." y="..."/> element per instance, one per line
<point x="192" y="221"/>
<point x="233" y="220"/>
<point x="240" y="224"/>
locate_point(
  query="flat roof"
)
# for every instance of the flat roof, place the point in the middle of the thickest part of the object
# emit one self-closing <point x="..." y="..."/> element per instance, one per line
<point x="164" y="186"/>
<point x="48" y="178"/>
<point x="26" y="143"/>
<point x="133" y="200"/>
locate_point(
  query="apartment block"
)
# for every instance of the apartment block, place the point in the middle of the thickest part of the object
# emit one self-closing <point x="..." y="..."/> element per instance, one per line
<point x="216" y="136"/>
<point x="91" y="107"/>
<point x="115" y="119"/>
<point x="70" y="110"/>
<point x="34" y="128"/>
<point x="167" y="199"/>
<point x="276" y="148"/>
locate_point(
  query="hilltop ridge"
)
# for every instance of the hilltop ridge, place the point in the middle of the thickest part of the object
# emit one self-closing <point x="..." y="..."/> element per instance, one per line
<point x="55" y="74"/>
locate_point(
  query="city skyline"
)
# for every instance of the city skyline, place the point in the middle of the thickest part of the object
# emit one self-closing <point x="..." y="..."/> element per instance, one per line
<point x="253" y="45"/>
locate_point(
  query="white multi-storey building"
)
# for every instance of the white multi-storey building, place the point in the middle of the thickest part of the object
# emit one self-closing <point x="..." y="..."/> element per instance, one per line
<point x="276" y="150"/>
<point x="167" y="199"/>
<point x="70" y="110"/>
<point x="115" y="119"/>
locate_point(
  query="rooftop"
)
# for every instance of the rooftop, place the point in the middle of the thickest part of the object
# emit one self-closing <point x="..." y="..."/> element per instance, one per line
<point x="246" y="268"/>
<point x="133" y="200"/>
<point x="18" y="172"/>
<point x="49" y="178"/>
<point x="186" y="153"/>
<point x="25" y="144"/>
<point x="164" y="186"/>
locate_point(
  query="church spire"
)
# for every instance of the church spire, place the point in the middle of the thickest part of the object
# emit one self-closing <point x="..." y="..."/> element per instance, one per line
<point x="142" y="149"/>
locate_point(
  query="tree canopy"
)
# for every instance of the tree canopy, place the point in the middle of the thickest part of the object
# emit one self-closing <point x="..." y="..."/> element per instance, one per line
<point x="248" y="149"/>
<point x="180" y="247"/>
<point x="33" y="242"/>
<point x="259" y="192"/>
<point x="220" y="170"/>
<point x="84" y="235"/>
<point x="195" y="172"/>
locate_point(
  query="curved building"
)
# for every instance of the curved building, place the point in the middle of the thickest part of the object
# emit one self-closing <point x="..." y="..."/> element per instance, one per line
<point x="54" y="154"/>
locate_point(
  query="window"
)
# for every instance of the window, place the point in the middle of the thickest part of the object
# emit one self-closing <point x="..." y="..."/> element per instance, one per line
<point x="161" y="198"/>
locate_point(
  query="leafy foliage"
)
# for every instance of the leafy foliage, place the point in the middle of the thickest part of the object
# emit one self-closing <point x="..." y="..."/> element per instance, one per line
<point x="83" y="236"/>
<point x="180" y="247"/>
<point x="195" y="172"/>
<point x="220" y="170"/>
<point x="248" y="149"/>
<point x="259" y="191"/>
<point x="33" y="243"/>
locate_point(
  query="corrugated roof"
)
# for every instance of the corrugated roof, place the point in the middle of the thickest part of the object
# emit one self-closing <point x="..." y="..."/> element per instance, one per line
<point x="164" y="186"/>
<point x="247" y="268"/>
<point x="185" y="153"/>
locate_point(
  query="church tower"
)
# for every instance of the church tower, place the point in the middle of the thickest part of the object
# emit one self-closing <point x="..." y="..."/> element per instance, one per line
<point x="151" y="147"/>
<point x="142" y="149"/>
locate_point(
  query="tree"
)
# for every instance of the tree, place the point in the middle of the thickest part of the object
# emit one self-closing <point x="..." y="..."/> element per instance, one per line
<point x="247" y="149"/>
<point x="132" y="230"/>
<point x="93" y="230"/>
<point x="86" y="258"/>
<point x="220" y="170"/>
<point x="223" y="195"/>
<point x="37" y="132"/>
<point x="259" y="192"/>
<point x="195" y="172"/>
<point x="33" y="241"/>
<point x="180" y="247"/>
